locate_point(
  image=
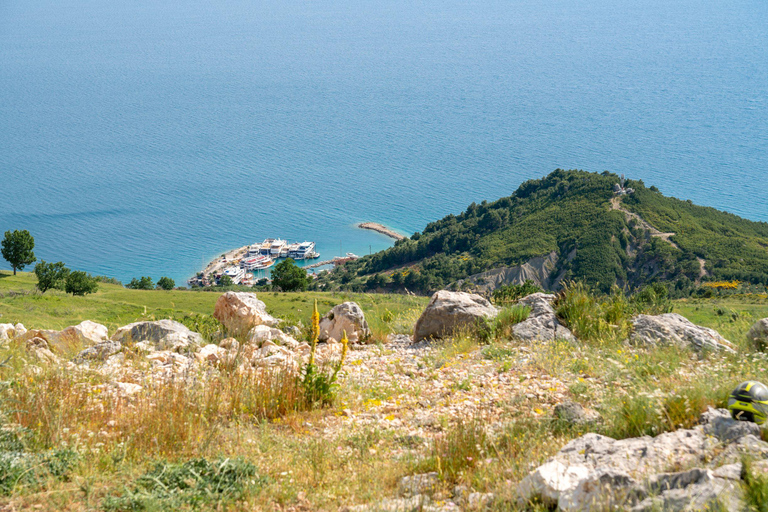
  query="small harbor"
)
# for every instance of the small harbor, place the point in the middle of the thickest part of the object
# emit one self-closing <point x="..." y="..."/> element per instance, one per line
<point x="242" y="264"/>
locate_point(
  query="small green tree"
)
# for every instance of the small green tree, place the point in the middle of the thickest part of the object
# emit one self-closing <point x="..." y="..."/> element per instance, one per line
<point x="226" y="281"/>
<point x="166" y="283"/>
<point x="51" y="275"/>
<point x="289" y="277"/>
<point x="17" y="249"/>
<point x="145" y="283"/>
<point x="80" y="283"/>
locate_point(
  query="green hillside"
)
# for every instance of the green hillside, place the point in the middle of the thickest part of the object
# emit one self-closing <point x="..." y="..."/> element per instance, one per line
<point x="114" y="305"/>
<point x="592" y="234"/>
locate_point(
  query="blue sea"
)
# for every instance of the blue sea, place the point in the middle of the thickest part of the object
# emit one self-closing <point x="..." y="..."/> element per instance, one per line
<point x="146" y="137"/>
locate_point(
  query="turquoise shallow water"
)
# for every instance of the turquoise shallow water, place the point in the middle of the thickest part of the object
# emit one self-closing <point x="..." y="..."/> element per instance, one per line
<point x="144" y="139"/>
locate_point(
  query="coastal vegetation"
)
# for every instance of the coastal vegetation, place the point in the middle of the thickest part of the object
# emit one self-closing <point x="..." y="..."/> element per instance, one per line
<point x="598" y="237"/>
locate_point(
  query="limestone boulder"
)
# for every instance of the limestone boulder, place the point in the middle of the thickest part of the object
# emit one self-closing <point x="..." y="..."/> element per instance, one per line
<point x="162" y="334"/>
<point x="348" y="317"/>
<point x="262" y="333"/>
<point x="85" y="334"/>
<point x="542" y="323"/>
<point x="758" y="334"/>
<point x="448" y="311"/>
<point x="89" y="333"/>
<point x="674" y="329"/>
<point x="40" y="350"/>
<point x="99" y="352"/>
<point x="213" y="354"/>
<point x="596" y="472"/>
<point x="7" y="332"/>
<point x="239" y="312"/>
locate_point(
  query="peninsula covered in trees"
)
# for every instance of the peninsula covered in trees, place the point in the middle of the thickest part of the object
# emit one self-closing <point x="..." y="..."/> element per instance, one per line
<point x="570" y="225"/>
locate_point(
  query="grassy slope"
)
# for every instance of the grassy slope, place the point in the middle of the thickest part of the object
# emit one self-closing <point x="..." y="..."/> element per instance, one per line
<point x="115" y="306"/>
<point x="307" y="469"/>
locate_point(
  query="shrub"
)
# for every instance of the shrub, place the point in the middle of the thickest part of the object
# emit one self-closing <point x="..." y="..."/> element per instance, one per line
<point x="51" y="275"/>
<point x="196" y="482"/>
<point x="80" y="283"/>
<point x="145" y="283"/>
<point x="513" y="292"/>
<point x="166" y="283"/>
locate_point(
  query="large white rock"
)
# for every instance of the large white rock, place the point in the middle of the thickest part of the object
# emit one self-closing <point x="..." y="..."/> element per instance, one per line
<point x="163" y="334"/>
<point x="85" y="334"/>
<point x="99" y="352"/>
<point x="211" y="353"/>
<point x="673" y="329"/>
<point x="596" y="472"/>
<point x="7" y="332"/>
<point x="89" y="333"/>
<point x="39" y="348"/>
<point x="549" y="481"/>
<point x="542" y="323"/>
<point x="349" y="317"/>
<point x="262" y="333"/>
<point x="758" y="333"/>
<point x="239" y="312"/>
<point x="448" y="311"/>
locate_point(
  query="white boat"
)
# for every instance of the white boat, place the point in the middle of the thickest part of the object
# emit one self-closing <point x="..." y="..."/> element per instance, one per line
<point x="277" y="247"/>
<point x="253" y="250"/>
<point x="303" y="251"/>
<point x="256" y="263"/>
<point x="235" y="273"/>
<point x="266" y="245"/>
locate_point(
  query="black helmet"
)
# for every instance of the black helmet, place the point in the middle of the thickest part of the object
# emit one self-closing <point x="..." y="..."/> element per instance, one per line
<point x="749" y="402"/>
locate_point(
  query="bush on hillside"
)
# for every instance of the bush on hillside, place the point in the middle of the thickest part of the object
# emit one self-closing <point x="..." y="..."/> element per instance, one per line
<point x="166" y="283"/>
<point x="51" y="275"/>
<point x="80" y="283"/>
<point x="145" y="283"/>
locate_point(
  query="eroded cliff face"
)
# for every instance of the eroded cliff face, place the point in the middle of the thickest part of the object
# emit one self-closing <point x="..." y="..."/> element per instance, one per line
<point x="541" y="270"/>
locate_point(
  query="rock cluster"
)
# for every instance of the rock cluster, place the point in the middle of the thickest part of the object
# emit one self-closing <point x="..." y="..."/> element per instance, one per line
<point x="240" y="312"/>
<point x="448" y="311"/>
<point x="673" y="329"/>
<point x="348" y="317"/>
<point x="542" y="323"/>
<point x="596" y="472"/>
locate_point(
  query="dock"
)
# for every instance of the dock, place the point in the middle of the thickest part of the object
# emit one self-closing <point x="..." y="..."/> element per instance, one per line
<point x="380" y="228"/>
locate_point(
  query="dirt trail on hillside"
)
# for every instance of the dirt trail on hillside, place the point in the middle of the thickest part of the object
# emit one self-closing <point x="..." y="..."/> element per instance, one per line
<point x="616" y="205"/>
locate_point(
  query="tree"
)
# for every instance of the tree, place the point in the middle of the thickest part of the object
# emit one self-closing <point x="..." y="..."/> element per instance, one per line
<point x="51" y="275"/>
<point x="226" y="280"/>
<point x="80" y="283"/>
<point x="288" y="277"/>
<point x="166" y="283"/>
<point x="145" y="283"/>
<point x="17" y="249"/>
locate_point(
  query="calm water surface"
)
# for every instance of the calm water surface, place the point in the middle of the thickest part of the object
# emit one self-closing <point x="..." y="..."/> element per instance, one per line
<point x="145" y="137"/>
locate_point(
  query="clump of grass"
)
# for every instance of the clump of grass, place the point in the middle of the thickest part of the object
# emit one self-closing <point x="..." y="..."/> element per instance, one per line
<point x="458" y="450"/>
<point x="196" y="483"/>
<point x="755" y="488"/>
<point x="207" y="326"/>
<point x="652" y="413"/>
<point x="593" y="318"/>
<point x="176" y="417"/>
